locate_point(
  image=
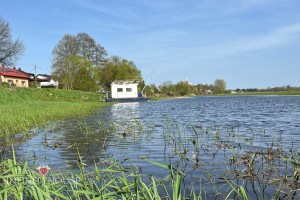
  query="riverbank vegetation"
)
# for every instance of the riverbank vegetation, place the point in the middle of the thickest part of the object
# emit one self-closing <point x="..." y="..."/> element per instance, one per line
<point x="183" y="89"/>
<point x="24" y="108"/>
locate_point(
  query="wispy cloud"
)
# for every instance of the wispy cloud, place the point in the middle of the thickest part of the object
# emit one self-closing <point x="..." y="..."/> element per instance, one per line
<point x="163" y="48"/>
<point x="280" y="37"/>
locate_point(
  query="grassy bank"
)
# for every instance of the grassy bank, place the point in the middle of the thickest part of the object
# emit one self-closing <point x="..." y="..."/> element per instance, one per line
<point x="260" y="93"/>
<point x="163" y="96"/>
<point x="24" y="108"/>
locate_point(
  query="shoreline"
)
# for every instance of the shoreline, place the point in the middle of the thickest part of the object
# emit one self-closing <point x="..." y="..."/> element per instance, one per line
<point x="26" y="108"/>
<point x="169" y="97"/>
<point x="281" y="93"/>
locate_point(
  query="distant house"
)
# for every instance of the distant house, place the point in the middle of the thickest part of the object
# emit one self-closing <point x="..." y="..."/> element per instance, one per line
<point x="13" y="76"/>
<point x="46" y="80"/>
<point x="31" y="75"/>
<point x="124" y="89"/>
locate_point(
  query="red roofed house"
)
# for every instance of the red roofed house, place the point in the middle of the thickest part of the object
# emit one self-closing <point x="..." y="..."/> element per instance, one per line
<point x="13" y="76"/>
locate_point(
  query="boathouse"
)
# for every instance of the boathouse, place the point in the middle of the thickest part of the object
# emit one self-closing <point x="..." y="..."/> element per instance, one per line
<point x="124" y="89"/>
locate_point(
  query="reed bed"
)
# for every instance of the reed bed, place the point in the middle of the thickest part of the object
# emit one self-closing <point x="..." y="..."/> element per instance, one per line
<point x="226" y="164"/>
<point x="200" y="163"/>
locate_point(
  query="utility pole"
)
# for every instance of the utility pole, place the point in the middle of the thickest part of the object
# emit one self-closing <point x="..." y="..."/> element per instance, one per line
<point x="35" y="75"/>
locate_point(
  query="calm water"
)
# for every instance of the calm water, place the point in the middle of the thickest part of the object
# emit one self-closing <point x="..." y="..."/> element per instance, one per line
<point x="163" y="129"/>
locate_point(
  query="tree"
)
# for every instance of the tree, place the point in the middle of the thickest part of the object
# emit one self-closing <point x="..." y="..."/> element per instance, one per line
<point x="154" y="89"/>
<point x="116" y="68"/>
<point x="218" y="90"/>
<point x="10" y="50"/>
<point x="220" y="83"/>
<point x="65" y="48"/>
<point x="84" y="78"/>
<point x="77" y="73"/>
<point x="166" y="83"/>
<point x="67" y="74"/>
<point x="71" y="47"/>
<point x="182" y="88"/>
<point x="87" y="48"/>
<point x="167" y="88"/>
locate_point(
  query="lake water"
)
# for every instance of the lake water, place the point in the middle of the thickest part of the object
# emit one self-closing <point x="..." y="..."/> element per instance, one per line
<point x="202" y="129"/>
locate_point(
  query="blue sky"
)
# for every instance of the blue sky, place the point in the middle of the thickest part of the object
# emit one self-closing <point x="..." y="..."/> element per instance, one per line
<point x="248" y="43"/>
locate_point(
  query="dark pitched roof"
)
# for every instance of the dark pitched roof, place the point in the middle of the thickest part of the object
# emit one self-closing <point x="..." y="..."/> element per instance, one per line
<point x="12" y="72"/>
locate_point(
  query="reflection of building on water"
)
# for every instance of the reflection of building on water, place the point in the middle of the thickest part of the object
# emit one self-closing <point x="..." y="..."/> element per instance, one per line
<point x="124" y="112"/>
<point x="125" y="117"/>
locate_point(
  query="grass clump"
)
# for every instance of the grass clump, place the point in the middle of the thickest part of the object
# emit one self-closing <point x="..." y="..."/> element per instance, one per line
<point x="113" y="181"/>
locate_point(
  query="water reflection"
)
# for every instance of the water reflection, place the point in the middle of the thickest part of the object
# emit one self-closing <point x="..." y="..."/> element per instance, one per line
<point x="125" y="111"/>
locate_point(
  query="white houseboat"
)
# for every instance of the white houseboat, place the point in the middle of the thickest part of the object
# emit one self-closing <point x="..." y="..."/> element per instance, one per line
<point x="125" y="91"/>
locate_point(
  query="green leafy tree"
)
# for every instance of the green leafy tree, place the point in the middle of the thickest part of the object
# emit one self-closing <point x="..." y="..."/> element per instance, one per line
<point x="182" y="88"/>
<point x="84" y="78"/>
<point x="167" y="88"/>
<point x="148" y="91"/>
<point x="68" y="72"/>
<point x="116" y="68"/>
<point x="218" y="90"/>
<point x="154" y="89"/>
<point x="69" y="51"/>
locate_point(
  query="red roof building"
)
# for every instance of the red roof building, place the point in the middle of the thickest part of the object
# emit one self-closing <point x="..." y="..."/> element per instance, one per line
<point x="13" y="76"/>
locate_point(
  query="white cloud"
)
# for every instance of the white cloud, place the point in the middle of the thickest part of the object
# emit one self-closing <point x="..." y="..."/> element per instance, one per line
<point x="281" y="37"/>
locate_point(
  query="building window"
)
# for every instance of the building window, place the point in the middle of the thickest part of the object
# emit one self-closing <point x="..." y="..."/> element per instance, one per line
<point x="23" y="84"/>
<point x="128" y="89"/>
<point x="10" y="82"/>
<point x="119" y="89"/>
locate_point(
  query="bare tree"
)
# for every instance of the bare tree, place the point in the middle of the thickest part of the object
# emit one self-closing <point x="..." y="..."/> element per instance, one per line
<point x="67" y="47"/>
<point x="87" y="48"/>
<point x="10" y="50"/>
<point x="220" y="83"/>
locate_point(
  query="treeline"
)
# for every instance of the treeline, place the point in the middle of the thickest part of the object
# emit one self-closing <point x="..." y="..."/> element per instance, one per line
<point x="269" y="89"/>
<point x="184" y="88"/>
<point x="219" y="87"/>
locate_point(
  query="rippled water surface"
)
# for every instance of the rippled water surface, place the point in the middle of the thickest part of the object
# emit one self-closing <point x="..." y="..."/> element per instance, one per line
<point x="163" y="130"/>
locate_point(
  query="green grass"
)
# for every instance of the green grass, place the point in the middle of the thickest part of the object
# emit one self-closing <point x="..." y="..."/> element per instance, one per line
<point x="23" y="108"/>
<point x="113" y="181"/>
<point x="164" y="96"/>
<point x="10" y="94"/>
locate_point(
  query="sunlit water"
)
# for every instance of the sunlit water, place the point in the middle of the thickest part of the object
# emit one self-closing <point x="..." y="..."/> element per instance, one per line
<point x="147" y="131"/>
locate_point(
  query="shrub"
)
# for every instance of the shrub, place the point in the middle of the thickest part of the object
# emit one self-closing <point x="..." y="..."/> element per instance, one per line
<point x="5" y="84"/>
<point x="34" y="84"/>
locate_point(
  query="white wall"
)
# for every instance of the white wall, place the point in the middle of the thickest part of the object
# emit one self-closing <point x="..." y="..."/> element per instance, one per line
<point x="51" y="82"/>
<point x="124" y="93"/>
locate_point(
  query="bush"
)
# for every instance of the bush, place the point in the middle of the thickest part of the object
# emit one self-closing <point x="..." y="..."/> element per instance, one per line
<point x="34" y="84"/>
<point x="5" y="84"/>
